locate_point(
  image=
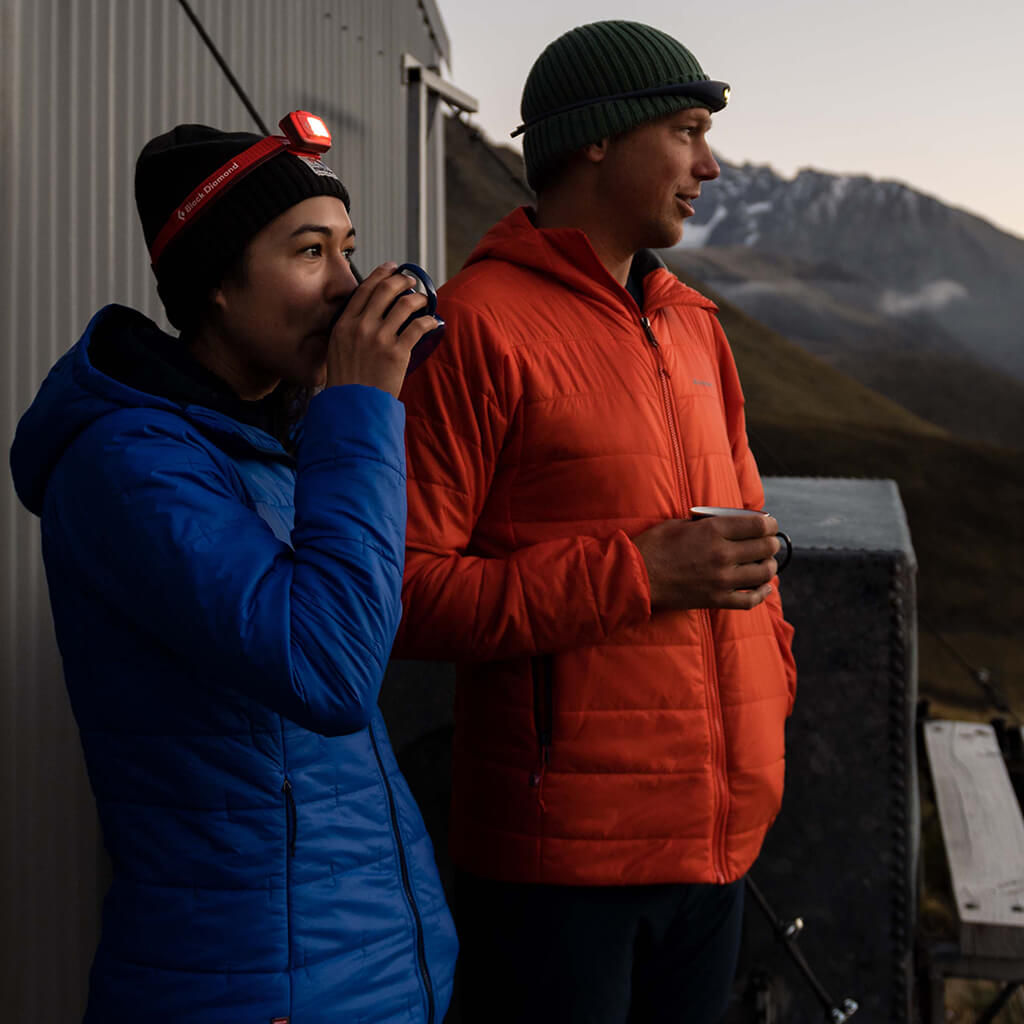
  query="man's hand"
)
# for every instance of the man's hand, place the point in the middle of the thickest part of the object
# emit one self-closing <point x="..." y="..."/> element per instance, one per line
<point x="365" y="346"/>
<point x="718" y="562"/>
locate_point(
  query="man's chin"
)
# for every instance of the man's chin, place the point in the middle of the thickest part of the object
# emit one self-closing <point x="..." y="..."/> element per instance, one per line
<point x="668" y="237"/>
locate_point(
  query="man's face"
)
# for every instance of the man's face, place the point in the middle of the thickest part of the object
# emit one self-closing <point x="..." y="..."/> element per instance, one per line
<point x="274" y="323"/>
<point x="653" y="174"/>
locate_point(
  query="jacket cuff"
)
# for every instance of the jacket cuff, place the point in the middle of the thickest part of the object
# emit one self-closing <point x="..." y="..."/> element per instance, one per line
<point x="353" y="419"/>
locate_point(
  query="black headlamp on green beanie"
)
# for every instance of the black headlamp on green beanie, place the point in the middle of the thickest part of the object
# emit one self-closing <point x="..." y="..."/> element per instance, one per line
<point x="602" y="79"/>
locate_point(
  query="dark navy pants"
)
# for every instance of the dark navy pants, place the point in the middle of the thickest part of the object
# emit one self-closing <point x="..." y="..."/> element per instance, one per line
<point x="553" y="954"/>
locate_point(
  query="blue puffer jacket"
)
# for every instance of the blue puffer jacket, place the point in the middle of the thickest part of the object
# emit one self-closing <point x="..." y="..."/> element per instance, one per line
<point x="225" y="616"/>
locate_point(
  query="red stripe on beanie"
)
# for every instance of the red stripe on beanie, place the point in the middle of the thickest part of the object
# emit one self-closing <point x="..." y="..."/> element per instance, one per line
<point x="213" y="187"/>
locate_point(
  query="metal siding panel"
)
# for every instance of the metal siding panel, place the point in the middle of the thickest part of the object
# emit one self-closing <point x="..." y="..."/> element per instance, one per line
<point x="434" y="27"/>
<point x="82" y="87"/>
<point x="49" y="927"/>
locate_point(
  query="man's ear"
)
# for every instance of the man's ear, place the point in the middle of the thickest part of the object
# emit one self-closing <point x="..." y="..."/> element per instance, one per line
<point x="596" y="151"/>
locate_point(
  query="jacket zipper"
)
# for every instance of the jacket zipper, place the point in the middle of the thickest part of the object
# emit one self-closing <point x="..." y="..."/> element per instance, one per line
<point x="670" y="414"/>
<point x="543" y="714"/>
<point x="717" y="731"/>
<point x="421" y="952"/>
<point x="291" y="820"/>
<point x="291" y="816"/>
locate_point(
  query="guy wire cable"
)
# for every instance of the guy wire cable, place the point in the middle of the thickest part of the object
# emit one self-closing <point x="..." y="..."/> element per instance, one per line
<point x="235" y="84"/>
<point x="980" y="675"/>
<point x="835" y="1012"/>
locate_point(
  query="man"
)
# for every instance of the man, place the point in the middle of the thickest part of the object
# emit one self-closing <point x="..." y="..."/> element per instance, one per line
<point x="624" y="672"/>
<point x="225" y="583"/>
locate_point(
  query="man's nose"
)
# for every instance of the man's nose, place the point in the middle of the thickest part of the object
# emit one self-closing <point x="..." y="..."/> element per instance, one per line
<point x="707" y="168"/>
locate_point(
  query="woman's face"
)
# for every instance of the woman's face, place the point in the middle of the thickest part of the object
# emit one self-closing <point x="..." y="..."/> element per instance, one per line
<point x="273" y="323"/>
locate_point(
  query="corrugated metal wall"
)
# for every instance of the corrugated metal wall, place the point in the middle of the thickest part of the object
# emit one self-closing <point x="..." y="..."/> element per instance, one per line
<point x="83" y="85"/>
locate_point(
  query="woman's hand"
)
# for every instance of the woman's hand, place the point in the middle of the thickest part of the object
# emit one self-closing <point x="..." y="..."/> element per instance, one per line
<point x="365" y="346"/>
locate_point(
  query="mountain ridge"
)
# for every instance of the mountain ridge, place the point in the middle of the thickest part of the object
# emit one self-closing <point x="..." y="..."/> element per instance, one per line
<point x="929" y="264"/>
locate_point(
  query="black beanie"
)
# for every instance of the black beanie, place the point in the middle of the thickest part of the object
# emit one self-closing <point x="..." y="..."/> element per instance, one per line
<point x="194" y="262"/>
<point x="602" y="59"/>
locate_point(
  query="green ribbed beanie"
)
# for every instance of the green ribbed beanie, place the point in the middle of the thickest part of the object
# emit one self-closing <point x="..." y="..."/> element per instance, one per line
<point x="603" y="58"/>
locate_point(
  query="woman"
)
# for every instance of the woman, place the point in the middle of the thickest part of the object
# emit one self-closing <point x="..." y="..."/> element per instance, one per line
<point x="225" y="568"/>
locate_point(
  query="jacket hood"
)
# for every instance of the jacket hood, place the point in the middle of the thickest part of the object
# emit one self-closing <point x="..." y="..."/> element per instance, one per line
<point x="75" y="394"/>
<point x="566" y="255"/>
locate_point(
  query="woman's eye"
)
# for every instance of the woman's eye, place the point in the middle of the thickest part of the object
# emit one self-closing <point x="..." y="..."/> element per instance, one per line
<point x="313" y="250"/>
<point x="349" y="253"/>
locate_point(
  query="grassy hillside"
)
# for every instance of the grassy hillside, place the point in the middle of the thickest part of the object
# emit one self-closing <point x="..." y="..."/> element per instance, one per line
<point x="834" y="315"/>
<point x="482" y="184"/>
<point x="963" y="499"/>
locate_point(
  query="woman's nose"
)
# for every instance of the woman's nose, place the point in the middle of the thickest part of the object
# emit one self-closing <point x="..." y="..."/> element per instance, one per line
<point x="344" y="279"/>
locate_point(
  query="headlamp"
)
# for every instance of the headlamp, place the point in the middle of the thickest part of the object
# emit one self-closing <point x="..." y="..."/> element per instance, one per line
<point x="306" y="132"/>
<point x="305" y="135"/>
<point x="713" y="95"/>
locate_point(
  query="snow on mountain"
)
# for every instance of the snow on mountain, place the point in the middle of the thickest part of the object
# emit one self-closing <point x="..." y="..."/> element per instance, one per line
<point x="931" y="298"/>
<point x="918" y="257"/>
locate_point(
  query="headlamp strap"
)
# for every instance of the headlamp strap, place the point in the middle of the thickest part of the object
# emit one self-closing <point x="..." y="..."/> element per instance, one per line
<point x="216" y="185"/>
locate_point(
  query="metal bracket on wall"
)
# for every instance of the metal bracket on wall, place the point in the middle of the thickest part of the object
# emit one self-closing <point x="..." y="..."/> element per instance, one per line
<point x="414" y="71"/>
<point x="425" y="191"/>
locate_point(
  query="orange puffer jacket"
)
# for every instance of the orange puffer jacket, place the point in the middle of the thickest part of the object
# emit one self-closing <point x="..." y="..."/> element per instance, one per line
<point x="594" y="743"/>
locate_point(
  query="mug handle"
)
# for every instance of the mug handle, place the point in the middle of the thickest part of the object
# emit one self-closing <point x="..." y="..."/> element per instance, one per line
<point x="415" y="270"/>
<point x="784" y="537"/>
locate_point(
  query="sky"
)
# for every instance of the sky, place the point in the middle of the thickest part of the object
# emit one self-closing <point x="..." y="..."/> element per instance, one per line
<point x="926" y="92"/>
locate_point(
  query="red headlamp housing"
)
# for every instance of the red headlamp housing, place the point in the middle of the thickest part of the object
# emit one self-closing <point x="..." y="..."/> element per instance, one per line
<point x="306" y="132"/>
